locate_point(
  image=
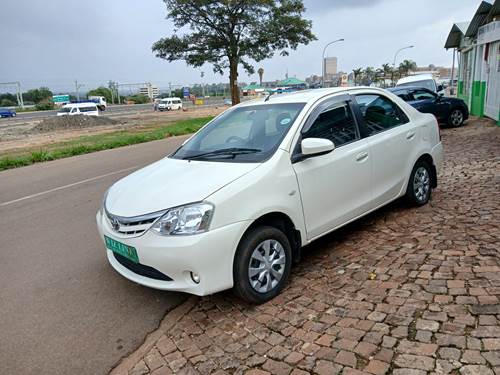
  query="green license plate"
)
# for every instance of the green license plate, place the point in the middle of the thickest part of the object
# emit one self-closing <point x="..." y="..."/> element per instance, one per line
<point x="122" y="249"/>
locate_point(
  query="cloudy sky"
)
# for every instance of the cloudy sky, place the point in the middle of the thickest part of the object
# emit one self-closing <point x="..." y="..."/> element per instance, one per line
<point x="54" y="42"/>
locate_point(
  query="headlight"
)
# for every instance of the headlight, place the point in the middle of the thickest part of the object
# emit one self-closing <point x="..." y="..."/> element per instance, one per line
<point x="190" y="219"/>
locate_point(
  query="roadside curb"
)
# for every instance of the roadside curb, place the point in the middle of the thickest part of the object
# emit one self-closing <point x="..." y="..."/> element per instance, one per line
<point x="170" y="319"/>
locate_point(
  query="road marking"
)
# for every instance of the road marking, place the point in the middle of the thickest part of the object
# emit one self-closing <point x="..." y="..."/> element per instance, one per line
<point x="68" y="186"/>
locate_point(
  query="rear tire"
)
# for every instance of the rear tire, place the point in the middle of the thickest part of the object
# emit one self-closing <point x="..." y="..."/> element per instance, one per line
<point x="420" y="184"/>
<point x="262" y="264"/>
<point x="456" y="118"/>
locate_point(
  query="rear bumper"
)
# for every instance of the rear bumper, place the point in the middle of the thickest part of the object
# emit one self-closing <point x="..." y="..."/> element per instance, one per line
<point x="210" y="255"/>
<point x="437" y="156"/>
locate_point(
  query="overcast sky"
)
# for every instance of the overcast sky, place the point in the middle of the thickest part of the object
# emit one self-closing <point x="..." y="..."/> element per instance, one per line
<point x="54" y="42"/>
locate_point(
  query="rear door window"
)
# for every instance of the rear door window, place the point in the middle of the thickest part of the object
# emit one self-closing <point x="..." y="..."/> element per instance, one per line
<point x="380" y="113"/>
<point x="336" y="124"/>
<point x="420" y="94"/>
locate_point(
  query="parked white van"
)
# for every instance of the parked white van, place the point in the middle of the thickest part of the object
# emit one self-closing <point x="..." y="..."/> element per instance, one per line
<point x="422" y="80"/>
<point x="170" y="104"/>
<point x="87" y="109"/>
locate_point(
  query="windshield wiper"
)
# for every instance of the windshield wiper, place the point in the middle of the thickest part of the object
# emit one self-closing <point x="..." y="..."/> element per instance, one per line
<point x="233" y="151"/>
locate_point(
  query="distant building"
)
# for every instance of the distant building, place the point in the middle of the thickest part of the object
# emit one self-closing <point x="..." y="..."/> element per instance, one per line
<point x="330" y="68"/>
<point x="150" y="91"/>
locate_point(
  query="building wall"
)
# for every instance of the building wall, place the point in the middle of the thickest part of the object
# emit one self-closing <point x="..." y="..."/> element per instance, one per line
<point x="330" y="67"/>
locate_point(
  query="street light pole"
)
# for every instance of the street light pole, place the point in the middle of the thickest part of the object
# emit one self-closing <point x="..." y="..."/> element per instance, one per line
<point x="323" y="60"/>
<point x="394" y="61"/>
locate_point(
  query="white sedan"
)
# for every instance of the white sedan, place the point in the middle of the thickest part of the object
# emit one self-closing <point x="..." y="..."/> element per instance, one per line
<point x="234" y="205"/>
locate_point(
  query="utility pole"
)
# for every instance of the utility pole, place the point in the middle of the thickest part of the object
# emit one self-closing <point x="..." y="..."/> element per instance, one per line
<point x="452" y="90"/>
<point x="117" y="86"/>
<point x="19" y="94"/>
<point x="111" y="86"/>
<point x="170" y="89"/>
<point x="77" y="89"/>
<point x="202" y="84"/>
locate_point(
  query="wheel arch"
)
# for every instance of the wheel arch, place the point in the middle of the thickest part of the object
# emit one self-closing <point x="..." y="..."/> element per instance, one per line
<point x="283" y="222"/>
<point x="429" y="160"/>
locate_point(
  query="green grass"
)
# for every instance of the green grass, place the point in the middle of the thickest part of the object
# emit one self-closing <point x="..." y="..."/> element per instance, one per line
<point x="99" y="142"/>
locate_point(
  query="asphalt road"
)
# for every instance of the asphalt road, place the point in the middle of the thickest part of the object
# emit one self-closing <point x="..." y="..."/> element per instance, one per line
<point x="111" y="111"/>
<point x="63" y="309"/>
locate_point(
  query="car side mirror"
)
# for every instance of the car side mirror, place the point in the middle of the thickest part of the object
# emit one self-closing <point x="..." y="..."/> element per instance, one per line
<point x="313" y="147"/>
<point x="316" y="146"/>
<point x="440" y="88"/>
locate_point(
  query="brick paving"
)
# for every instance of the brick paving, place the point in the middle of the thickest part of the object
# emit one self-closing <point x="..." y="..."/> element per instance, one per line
<point x="404" y="291"/>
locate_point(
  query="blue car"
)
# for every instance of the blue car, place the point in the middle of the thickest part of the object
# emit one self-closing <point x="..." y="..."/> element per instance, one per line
<point x="6" y="112"/>
<point x="451" y="111"/>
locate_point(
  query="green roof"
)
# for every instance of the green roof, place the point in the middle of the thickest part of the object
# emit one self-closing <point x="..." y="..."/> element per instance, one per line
<point x="292" y="81"/>
<point x="253" y="87"/>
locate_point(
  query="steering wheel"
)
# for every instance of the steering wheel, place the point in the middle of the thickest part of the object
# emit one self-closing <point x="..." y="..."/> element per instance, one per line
<point x="235" y="138"/>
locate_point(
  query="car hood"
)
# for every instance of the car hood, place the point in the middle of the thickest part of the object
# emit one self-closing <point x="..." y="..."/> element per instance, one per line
<point x="170" y="183"/>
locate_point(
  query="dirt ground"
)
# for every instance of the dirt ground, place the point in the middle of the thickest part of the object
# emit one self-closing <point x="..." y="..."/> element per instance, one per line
<point x="14" y="139"/>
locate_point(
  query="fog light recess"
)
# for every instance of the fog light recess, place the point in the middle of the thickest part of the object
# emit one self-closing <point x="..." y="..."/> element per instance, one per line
<point x="195" y="277"/>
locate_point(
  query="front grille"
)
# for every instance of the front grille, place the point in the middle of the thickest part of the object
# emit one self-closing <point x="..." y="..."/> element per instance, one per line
<point x="141" y="269"/>
<point x="132" y="225"/>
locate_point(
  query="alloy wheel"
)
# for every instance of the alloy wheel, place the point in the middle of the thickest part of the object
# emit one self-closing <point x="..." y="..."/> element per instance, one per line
<point x="456" y="117"/>
<point x="267" y="266"/>
<point x="421" y="184"/>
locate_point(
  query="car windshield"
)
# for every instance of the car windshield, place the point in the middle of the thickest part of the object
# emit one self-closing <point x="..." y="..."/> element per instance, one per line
<point x="243" y="134"/>
<point x="426" y="83"/>
<point x="65" y="110"/>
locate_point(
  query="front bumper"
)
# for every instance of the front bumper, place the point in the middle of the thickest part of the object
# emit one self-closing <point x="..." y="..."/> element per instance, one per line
<point x="210" y="255"/>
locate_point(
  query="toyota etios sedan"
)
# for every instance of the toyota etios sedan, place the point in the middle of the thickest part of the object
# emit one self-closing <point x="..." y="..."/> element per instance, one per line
<point x="233" y="206"/>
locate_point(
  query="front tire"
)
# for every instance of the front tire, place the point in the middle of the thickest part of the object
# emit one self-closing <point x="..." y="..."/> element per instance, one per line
<point x="262" y="264"/>
<point x="419" y="187"/>
<point x="456" y="118"/>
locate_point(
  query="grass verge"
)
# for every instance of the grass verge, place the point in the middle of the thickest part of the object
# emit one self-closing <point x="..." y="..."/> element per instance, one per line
<point x="99" y="142"/>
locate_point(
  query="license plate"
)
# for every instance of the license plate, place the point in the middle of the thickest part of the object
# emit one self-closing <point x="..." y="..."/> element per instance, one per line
<point x="122" y="249"/>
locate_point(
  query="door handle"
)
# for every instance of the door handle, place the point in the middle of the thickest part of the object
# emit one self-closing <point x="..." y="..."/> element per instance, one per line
<point x="410" y="135"/>
<point x="362" y="156"/>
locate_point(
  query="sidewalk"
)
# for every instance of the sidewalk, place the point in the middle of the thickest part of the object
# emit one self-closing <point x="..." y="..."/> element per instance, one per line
<point x="403" y="291"/>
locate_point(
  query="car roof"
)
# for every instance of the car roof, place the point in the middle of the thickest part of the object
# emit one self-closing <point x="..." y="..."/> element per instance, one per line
<point x="404" y="88"/>
<point x="311" y="95"/>
<point x="78" y="105"/>
<point x="415" y="78"/>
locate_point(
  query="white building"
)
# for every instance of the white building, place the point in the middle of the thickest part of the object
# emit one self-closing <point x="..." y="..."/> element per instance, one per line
<point x="150" y="91"/>
<point x="330" y="68"/>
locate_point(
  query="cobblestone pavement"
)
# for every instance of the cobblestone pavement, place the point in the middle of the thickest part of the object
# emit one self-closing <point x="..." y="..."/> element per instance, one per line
<point x="403" y="291"/>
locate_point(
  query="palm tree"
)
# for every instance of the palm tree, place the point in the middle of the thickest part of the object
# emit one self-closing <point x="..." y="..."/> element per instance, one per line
<point x="357" y="74"/>
<point x="388" y="71"/>
<point x="406" y="66"/>
<point x="261" y="74"/>
<point x="369" y="75"/>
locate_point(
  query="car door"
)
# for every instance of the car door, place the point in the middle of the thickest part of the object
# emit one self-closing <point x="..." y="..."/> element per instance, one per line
<point x="334" y="187"/>
<point x="428" y="102"/>
<point x="391" y="138"/>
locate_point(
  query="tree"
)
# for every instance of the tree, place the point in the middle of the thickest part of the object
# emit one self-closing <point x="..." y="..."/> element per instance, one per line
<point x="369" y="75"/>
<point x="101" y="91"/>
<point x="357" y="75"/>
<point x="261" y="74"/>
<point x="138" y="99"/>
<point x="406" y="66"/>
<point x="229" y="33"/>
<point x="37" y="95"/>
